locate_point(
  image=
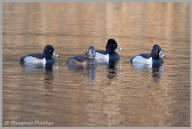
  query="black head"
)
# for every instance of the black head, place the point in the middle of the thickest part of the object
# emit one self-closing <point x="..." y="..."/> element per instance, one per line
<point x="156" y="51"/>
<point x="111" y="46"/>
<point x="48" y="51"/>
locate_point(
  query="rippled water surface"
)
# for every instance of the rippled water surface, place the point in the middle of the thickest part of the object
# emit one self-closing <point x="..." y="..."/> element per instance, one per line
<point x="106" y="95"/>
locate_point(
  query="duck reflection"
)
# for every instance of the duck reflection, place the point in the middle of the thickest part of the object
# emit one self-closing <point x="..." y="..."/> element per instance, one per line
<point x="89" y="69"/>
<point x="157" y="73"/>
<point x="47" y="70"/>
<point x="48" y="75"/>
<point x="155" y="68"/>
<point x="112" y="69"/>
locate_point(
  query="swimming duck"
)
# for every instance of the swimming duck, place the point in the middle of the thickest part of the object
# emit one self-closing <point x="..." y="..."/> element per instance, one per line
<point x="109" y="54"/>
<point x="150" y="58"/>
<point x="40" y="58"/>
<point x="83" y="60"/>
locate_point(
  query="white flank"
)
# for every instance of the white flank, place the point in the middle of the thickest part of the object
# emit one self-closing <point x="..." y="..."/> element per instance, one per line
<point x="102" y="58"/>
<point x="140" y="59"/>
<point x="33" y="60"/>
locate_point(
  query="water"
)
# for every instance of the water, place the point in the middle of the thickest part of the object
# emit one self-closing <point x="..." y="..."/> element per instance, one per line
<point x="120" y="95"/>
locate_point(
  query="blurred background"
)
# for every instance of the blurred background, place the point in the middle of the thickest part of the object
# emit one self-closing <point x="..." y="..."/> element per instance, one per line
<point x="106" y="95"/>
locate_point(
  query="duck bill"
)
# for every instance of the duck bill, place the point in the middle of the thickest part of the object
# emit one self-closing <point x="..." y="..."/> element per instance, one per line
<point x="161" y="54"/>
<point x="92" y="54"/>
<point x="55" y="54"/>
<point x="118" y="48"/>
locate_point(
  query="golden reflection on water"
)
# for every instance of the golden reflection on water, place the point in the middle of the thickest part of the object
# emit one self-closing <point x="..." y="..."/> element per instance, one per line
<point x="120" y="96"/>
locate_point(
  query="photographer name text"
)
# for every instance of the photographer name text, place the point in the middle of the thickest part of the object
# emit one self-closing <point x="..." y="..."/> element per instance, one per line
<point x="28" y="123"/>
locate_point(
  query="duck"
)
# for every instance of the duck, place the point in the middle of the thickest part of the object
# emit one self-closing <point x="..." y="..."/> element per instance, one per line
<point x="40" y="58"/>
<point x="83" y="60"/>
<point x="109" y="54"/>
<point x="149" y="58"/>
